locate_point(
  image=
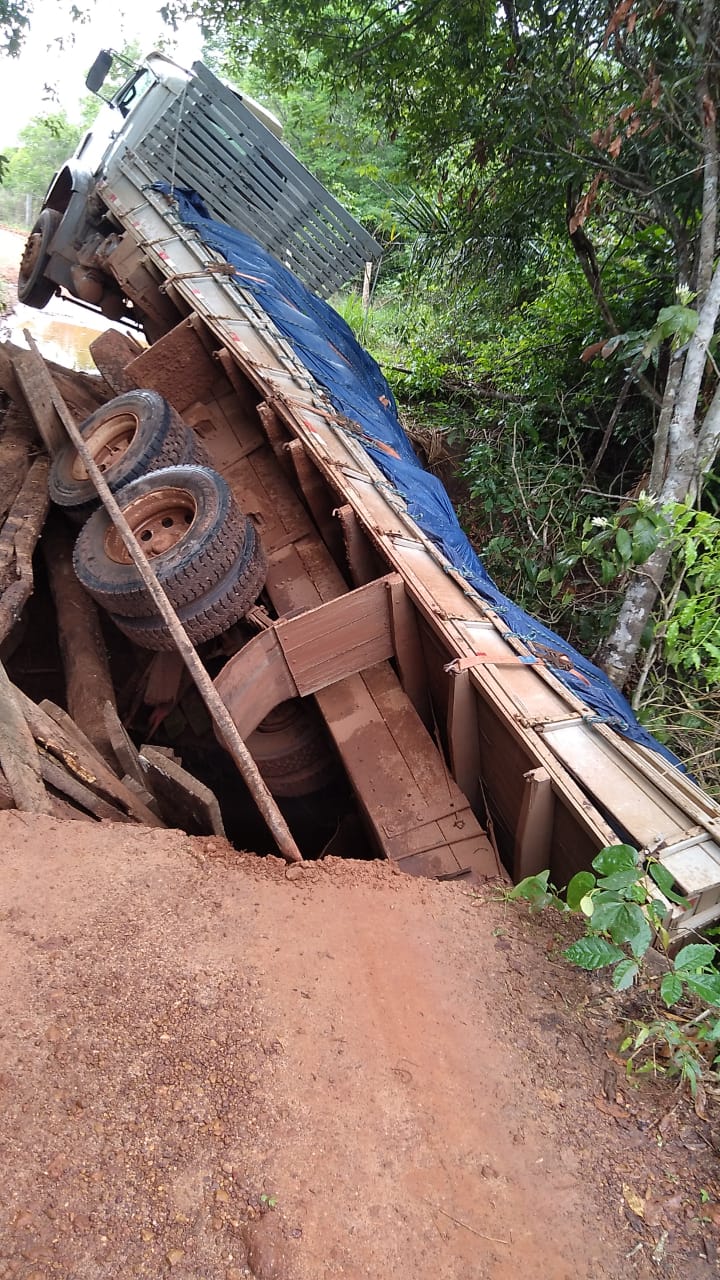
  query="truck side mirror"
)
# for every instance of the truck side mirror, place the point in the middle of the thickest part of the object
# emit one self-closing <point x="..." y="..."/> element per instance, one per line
<point x="96" y="75"/>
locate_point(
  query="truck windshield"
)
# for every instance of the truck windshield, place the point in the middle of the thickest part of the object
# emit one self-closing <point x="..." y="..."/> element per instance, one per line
<point x="131" y="93"/>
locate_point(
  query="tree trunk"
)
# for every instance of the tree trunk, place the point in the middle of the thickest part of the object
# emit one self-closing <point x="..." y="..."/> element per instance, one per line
<point x="689" y="451"/>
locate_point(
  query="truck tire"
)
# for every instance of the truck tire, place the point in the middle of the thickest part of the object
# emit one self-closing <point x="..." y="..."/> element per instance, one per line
<point x="33" y="288"/>
<point x="130" y="436"/>
<point x="291" y="750"/>
<point x="187" y="521"/>
<point x="212" y="613"/>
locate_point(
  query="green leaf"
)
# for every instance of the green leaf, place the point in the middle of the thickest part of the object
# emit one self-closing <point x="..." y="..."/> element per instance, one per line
<point x="536" y="890"/>
<point x="625" y="922"/>
<point x="678" y="322"/>
<point x="623" y="542"/>
<point x="689" y="552"/>
<point x="645" y="540"/>
<point x="592" y="953"/>
<point x="620" y="879"/>
<point x="706" y="986"/>
<point x="665" y="883"/>
<point x="580" y="885"/>
<point x="616" y="857"/>
<point x="694" y="956"/>
<point x="608" y="571"/>
<point x="671" y="988"/>
<point x="624" y="974"/>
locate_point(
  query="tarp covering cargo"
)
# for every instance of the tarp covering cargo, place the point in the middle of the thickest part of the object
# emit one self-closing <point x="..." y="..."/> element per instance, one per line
<point x="358" y="390"/>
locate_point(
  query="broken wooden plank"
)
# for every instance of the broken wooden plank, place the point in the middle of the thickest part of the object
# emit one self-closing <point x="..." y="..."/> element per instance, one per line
<point x="69" y="785"/>
<point x="18" y="754"/>
<point x="88" y="684"/>
<point x="35" y="382"/>
<point x="124" y="749"/>
<point x="184" y="801"/>
<point x="84" y="767"/>
<point x="66" y="722"/>
<point x="18" y="539"/>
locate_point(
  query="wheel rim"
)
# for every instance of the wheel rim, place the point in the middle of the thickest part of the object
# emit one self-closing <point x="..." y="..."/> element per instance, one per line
<point x="108" y="444"/>
<point x="159" y="521"/>
<point x="31" y="255"/>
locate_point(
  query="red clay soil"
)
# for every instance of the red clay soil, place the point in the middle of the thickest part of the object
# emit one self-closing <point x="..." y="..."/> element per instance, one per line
<point x="211" y="1068"/>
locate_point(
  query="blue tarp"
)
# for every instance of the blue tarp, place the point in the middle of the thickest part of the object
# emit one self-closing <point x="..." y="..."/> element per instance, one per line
<point x="358" y="390"/>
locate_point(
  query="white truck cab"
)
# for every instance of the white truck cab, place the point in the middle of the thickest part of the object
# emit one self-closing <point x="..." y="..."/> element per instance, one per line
<point x="192" y="131"/>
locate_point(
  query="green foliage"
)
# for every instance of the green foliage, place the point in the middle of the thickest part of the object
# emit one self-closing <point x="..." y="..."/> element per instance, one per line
<point x="687" y="628"/>
<point x="45" y="143"/>
<point x="14" y="22"/>
<point x="623" y="914"/>
<point x="534" y="889"/>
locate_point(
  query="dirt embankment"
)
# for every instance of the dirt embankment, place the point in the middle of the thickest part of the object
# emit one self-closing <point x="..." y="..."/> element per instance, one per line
<point x="214" y="1067"/>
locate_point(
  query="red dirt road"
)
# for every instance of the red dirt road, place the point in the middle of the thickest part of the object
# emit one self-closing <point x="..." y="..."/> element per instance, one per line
<point x="211" y="1068"/>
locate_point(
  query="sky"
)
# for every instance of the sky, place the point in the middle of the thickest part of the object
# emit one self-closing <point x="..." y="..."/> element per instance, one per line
<point x="63" y="66"/>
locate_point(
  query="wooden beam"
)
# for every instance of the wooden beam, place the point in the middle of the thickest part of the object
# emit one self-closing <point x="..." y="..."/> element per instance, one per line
<point x="407" y="645"/>
<point x="317" y="496"/>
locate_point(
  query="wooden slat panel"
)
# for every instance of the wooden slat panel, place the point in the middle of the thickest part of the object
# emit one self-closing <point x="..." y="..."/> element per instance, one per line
<point x="346" y="635"/>
<point x="210" y="141"/>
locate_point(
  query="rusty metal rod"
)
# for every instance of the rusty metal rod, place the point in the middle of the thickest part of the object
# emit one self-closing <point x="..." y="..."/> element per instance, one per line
<point x="209" y="694"/>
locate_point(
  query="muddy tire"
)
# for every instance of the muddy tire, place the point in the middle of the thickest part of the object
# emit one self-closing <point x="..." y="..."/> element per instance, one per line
<point x="213" y="613"/>
<point x="291" y="750"/>
<point x="33" y="288"/>
<point x="190" y="526"/>
<point x="130" y="436"/>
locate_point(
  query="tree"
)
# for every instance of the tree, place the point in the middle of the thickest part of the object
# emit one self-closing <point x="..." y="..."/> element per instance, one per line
<point x="596" y="123"/>
<point x="45" y="143"/>
<point x="14" y="21"/>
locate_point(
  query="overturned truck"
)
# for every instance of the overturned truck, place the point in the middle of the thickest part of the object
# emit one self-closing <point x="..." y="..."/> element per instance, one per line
<point x="255" y="451"/>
